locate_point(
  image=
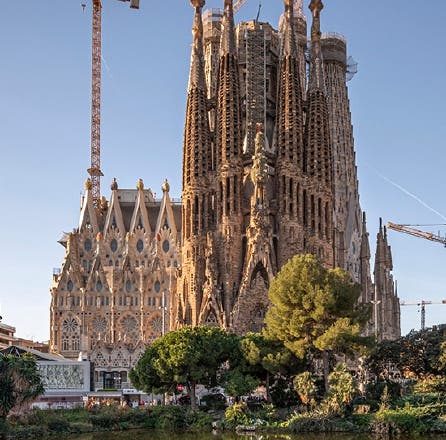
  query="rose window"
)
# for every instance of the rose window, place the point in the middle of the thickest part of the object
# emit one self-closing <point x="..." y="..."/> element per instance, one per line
<point x="157" y="324"/>
<point x="129" y="324"/>
<point x="70" y="325"/>
<point x="99" y="324"/>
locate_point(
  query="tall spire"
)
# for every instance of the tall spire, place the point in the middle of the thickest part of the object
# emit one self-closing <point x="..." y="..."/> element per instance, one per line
<point x="229" y="159"/>
<point x="229" y="138"/>
<point x="316" y="67"/>
<point x="318" y="145"/>
<point x="289" y="129"/>
<point x="289" y="105"/>
<point x="197" y="140"/>
<point x="196" y="160"/>
<point x="227" y="43"/>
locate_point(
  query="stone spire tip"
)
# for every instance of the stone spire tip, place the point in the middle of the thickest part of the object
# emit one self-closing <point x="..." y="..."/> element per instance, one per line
<point x="114" y="184"/>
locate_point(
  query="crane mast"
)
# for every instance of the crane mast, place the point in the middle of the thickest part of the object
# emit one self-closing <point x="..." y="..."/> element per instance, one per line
<point x="96" y="66"/>
<point x="422" y="304"/>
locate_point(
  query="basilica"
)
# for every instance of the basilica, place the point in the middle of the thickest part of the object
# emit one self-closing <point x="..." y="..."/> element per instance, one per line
<point x="269" y="171"/>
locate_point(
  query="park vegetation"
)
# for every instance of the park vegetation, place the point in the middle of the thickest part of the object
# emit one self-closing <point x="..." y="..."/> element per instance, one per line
<point x="319" y="373"/>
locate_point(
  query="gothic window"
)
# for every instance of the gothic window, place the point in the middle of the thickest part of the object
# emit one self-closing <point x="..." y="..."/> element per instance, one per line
<point x="70" y="286"/>
<point x="114" y="245"/>
<point x="75" y="343"/>
<point x="128" y="286"/>
<point x="166" y="246"/>
<point x="65" y="344"/>
<point x="99" y="286"/>
<point x="88" y="245"/>
<point x="139" y="245"/>
<point x="157" y="286"/>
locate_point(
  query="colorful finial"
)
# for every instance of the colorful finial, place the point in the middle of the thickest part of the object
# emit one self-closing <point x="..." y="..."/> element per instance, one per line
<point x="88" y="185"/>
<point x="140" y="185"/>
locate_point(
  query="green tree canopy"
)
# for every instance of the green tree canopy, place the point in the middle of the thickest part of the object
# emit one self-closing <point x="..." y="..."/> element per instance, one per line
<point x="20" y="382"/>
<point x="188" y="356"/>
<point x="314" y="309"/>
<point x="416" y="355"/>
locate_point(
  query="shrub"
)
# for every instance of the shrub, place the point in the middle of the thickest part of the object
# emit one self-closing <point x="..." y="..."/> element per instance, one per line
<point x="58" y="424"/>
<point x="341" y="390"/>
<point x="432" y="384"/>
<point x="306" y="388"/>
<point x="237" y="414"/>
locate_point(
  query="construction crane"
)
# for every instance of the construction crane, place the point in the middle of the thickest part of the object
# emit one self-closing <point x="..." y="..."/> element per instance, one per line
<point x="237" y="5"/>
<point x="96" y="71"/>
<point x="409" y="229"/>
<point x="422" y="304"/>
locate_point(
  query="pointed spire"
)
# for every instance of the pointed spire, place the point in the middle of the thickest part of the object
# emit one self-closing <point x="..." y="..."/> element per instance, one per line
<point x="289" y="103"/>
<point x="227" y="43"/>
<point x="316" y="67"/>
<point x="288" y="34"/>
<point x="228" y="123"/>
<point x="318" y="145"/>
<point x="197" y="139"/>
<point x="365" y="246"/>
<point x="197" y="76"/>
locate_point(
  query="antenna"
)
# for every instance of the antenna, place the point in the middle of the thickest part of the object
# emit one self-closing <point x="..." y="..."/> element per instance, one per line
<point x="258" y="11"/>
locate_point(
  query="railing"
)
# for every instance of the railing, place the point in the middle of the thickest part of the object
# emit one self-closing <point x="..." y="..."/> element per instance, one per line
<point x="335" y="35"/>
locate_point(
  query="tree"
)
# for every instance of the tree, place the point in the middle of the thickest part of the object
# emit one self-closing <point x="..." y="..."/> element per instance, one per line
<point x="314" y="309"/>
<point x="442" y="358"/>
<point x="416" y="355"/>
<point x="266" y="358"/>
<point x="189" y="356"/>
<point x="20" y="382"/>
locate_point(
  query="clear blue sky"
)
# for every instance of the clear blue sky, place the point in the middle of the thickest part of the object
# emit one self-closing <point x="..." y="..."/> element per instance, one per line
<point x="397" y="102"/>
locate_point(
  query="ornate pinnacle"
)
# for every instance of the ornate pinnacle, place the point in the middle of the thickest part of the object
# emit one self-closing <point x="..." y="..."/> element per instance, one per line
<point x="197" y="3"/>
<point x="165" y="187"/>
<point x="140" y="185"/>
<point x="316" y="7"/>
<point x="88" y="185"/>
<point x="114" y="184"/>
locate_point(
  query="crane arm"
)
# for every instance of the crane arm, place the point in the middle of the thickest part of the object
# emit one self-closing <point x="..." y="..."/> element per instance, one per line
<point x="416" y="233"/>
<point x="237" y="5"/>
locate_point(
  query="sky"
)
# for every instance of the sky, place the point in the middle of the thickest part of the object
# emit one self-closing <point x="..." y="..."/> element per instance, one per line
<point x="397" y="103"/>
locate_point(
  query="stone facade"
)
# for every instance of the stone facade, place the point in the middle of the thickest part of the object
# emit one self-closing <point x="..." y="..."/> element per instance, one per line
<point x="269" y="171"/>
<point x="248" y="208"/>
<point x="117" y="278"/>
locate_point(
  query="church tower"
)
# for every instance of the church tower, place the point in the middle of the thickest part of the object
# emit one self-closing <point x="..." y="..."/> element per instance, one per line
<point x="318" y="195"/>
<point x="229" y="164"/>
<point x="290" y="145"/>
<point x="196" y="195"/>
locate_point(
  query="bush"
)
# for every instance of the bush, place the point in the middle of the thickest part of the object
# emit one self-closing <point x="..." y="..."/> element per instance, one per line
<point x="58" y="424"/>
<point x="237" y="414"/>
<point x="306" y="388"/>
<point x="432" y="384"/>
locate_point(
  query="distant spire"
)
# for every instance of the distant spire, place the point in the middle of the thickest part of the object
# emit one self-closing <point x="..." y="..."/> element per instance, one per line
<point x="197" y="77"/>
<point x="316" y="67"/>
<point x="228" y="111"/>
<point x="289" y="103"/>
<point x="318" y="146"/>
<point x="197" y="141"/>
<point x="227" y="44"/>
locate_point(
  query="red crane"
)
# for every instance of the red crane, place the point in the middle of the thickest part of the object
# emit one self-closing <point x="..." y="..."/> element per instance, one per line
<point x="96" y="70"/>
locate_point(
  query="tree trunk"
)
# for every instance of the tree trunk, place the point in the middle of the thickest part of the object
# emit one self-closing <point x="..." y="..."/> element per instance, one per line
<point x="268" y="395"/>
<point x="193" y="398"/>
<point x="326" y="367"/>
